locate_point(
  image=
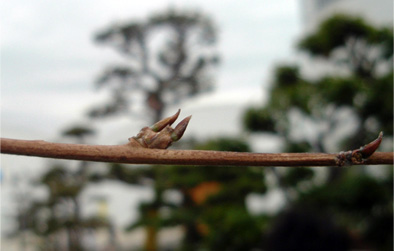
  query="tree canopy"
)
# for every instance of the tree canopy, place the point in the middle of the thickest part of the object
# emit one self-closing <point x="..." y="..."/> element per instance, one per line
<point x="170" y="57"/>
<point x="332" y="113"/>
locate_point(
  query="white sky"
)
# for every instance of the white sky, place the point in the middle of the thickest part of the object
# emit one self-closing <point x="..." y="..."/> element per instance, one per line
<point x="49" y="62"/>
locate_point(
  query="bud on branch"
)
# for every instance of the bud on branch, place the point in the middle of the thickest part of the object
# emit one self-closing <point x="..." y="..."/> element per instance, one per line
<point x="361" y="155"/>
<point x="148" y="147"/>
<point x="161" y="135"/>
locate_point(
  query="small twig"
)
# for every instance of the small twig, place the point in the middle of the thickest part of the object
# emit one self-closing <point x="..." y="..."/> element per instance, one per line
<point x="142" y="149"/>
<point x="127" y="154"/>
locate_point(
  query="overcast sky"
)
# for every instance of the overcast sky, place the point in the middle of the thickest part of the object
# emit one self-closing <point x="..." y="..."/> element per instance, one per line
<point x="50" y="61"/>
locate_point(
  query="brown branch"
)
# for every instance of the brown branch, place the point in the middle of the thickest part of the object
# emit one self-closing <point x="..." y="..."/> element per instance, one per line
<point x="148" y="147"/>
<point x="131" y="154"/>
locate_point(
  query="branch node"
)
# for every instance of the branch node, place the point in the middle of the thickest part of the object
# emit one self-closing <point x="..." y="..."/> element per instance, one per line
<point x="358" y="156"/>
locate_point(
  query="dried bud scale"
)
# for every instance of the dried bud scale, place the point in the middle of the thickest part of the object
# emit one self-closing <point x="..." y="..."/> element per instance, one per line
<point x="161" y="134"/>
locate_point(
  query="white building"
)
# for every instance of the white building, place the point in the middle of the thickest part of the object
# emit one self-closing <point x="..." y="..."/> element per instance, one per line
<point x="377" y="12"/>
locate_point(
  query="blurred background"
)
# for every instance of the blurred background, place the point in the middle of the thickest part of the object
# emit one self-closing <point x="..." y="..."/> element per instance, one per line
<point x="257" y="76"/>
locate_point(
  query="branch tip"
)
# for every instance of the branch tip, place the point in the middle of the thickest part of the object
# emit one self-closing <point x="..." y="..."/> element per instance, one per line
<point x="359" y="156"/>
<point x="371" y="147"/>
<point x="180" y="129"/>
<point x="158" y="126"/>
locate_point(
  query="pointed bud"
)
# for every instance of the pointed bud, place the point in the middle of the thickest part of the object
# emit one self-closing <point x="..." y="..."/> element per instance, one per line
<point x="160" y="135"/>
<point x="370" y="148"/>
<point x="158" y="126"/>
<point x="180" y="129"/>
<point x="359" y="156"/>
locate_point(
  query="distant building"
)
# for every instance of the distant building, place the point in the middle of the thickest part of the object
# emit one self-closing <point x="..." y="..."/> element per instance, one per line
<point x="376" y="12"/>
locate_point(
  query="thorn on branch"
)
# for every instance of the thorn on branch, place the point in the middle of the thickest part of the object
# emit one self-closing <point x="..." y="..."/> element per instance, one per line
<point x="161" y="134"/>
<point x="358" y="156"/>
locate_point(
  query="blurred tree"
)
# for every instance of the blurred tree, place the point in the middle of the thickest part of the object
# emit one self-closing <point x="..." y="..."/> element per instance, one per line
<point x="310" y="114"/>
<point x="364" y="47"/>
<point x="213" y="208"/>
<point x="60" y="213"/>
<point x="171" y="56"/>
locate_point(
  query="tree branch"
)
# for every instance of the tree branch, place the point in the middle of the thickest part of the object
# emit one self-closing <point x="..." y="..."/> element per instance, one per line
<point x="138" y="155"/>
<point x="148" y="147"/>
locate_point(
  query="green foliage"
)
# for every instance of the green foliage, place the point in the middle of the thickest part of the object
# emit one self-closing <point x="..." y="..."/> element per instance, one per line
<point x="384" y="37"/>
<point x="363" y="193"/>
<point x="297" y="147"/>
<point x="229" y="225"/>
<point x="296" y="175"/>
<point x="297" y="95"/>
<point x="334" y="33"/>
<point x="358" y="39"/>
<point x="61" y="183"/>
<point x="357" y="202"/>
<point x="78" y="132"/>
<point x="129" y="174"/>
<point x="232" y="228"/>
<point x="286" y="76"/>
<point x="302" y="228"/>
<point x="360" y="202"/>
<point x="238" y="182"/>
<point x="259" y="119"/>
<point x="224" y="144"/>
<point x="213" y="207"/>
<point x="378" y="103"/>
<point x="341" y="91"/>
